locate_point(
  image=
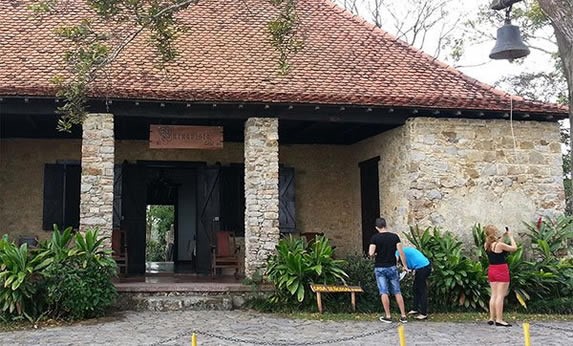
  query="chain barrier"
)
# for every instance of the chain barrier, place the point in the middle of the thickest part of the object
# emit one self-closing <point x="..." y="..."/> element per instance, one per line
<point x="309" y="343"/>
<point x="270" y="343"/>
<point x="568" y="330"/>
<point x="173" y="338"/>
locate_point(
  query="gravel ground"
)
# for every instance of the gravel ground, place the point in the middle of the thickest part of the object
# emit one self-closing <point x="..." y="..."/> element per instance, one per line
<point x="251" y="328"/>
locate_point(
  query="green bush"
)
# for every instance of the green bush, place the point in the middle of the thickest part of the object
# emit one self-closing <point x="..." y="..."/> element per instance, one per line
<point x="296" y="265"/>
<point x="360" y="272"/>
<point x="20" y="272"/>
<point x="551" y="237"/>
<point x="154" y="251"/>
<point x="456" y="282"/>
<point x="547" y="275"/>
<point x="78" y="291"/>
<point x="79" y="285"/>
<point x="59" y="279"/>
<point x="563" y="305"/>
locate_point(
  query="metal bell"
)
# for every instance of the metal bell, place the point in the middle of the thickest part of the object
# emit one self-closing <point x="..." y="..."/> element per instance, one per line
<point x="508" y="44"/>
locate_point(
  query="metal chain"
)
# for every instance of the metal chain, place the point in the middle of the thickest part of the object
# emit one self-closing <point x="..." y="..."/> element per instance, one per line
<point x="270" y="343"/>
<point x="568" y="330"/>
<point x="173" y="338"/>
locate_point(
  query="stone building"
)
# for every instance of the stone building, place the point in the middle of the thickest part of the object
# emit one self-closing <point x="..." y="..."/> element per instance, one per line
<point x="362" y="125"/>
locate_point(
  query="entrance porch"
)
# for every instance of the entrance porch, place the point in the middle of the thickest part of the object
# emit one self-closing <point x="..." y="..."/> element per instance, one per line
<point x="177" y="292"/>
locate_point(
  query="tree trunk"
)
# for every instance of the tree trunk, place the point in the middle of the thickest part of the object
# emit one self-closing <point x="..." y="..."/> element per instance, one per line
<point x="560" y="12"/>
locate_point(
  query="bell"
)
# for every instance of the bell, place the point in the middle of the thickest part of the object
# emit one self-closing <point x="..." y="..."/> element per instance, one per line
<point x="508" y="44"/>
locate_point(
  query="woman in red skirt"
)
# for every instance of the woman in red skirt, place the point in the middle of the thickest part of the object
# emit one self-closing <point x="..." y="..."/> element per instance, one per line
<point x="498" y="272"/>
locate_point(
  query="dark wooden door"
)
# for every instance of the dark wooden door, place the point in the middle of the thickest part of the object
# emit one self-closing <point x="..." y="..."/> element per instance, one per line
<point x="133" y="215"/>
<point x="233" y="199"/>
<point x="287" y="208"/>
<point x="208" y="210"/>
<point x="369" y="198"/>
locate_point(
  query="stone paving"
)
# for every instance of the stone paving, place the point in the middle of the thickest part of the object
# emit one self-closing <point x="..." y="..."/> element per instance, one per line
<point x="251" y="328"/>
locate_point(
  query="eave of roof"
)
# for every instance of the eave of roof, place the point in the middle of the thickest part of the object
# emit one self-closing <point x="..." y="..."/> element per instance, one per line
<point x="227" y="57"/>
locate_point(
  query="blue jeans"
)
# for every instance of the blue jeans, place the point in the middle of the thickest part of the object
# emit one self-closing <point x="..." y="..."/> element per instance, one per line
<point x="388" y="280"/>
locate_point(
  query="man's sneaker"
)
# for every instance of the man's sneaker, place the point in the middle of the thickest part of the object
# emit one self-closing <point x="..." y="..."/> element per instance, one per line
<point x="413" y="312"/>
<point x="421" y="317"/>
<point x="404" y="319"/>
<point x="385" y="319"/>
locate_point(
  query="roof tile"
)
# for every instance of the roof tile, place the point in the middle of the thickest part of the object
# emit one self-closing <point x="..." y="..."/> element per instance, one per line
<point x="226" y="56"/>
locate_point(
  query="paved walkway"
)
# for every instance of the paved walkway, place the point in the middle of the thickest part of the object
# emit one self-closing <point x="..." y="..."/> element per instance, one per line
<point x="250" y="328"/>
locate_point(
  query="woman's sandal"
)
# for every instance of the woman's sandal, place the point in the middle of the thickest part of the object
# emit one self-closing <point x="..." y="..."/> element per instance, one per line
<point x="502" y="324"/>
<point x="490" y="322"/>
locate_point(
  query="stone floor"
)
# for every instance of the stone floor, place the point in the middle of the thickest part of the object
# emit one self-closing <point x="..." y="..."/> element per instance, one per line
<point x="250" y="328"/>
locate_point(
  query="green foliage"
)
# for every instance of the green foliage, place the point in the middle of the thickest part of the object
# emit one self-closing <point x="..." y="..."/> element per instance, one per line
<point x="547" y="275"/>
<point x="563" y="305"/>
<point x="456" y="280"/>
<point x="68" y="276"/>
<point x="154" y="252"/>
<point x="551" y="237"/>
<point x="79" y="288"/>
<point x="79" y="285"/>
<point x="296" y="265"/>
<point x="283" y="32"/>
<point x="20" y="271"/>
<point x="360" y="272"/>
<point x="160" y="218"/>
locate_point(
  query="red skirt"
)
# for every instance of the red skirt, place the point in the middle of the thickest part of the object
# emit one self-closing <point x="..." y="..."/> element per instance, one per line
<point x="498" y="273"/>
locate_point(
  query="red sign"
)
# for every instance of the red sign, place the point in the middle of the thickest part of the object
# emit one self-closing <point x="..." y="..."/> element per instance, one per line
<point x="185" y="137"/>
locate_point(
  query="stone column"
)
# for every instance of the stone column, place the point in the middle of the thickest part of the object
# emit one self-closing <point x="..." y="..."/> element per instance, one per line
<point x="261" y="192"/>
<point x="96" y="201"/>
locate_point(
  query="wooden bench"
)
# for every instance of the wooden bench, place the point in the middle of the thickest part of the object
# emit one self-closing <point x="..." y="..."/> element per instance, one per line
<point x="319" y="289"/>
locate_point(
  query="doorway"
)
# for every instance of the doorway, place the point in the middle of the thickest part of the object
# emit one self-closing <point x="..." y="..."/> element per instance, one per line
<point x="168" y="211"/>
<point x="369" y="198"/>
<point x="159" y="239"/>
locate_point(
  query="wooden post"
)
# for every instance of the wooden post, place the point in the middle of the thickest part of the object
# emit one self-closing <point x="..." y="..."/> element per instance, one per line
<point x="353" y="300"/>
<point x="319" y="301"/>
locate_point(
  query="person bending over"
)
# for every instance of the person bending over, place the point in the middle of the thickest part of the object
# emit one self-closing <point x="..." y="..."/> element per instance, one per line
<point x="422" y="268"/>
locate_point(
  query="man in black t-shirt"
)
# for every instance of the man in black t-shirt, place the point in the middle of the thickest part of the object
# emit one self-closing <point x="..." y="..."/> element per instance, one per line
<point x="383" y="245"/>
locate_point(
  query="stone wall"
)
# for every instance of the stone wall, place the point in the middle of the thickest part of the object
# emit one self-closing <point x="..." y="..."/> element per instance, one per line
<point x="467" y="171"/>
<point x="22" y="181"/>
<point x="454" y="173"/>
<point x="446" y="172"/>
<point x="393" y="149"/>
<point x="319" y="207"/>
<point x="261" y="191"/>
<point x="96" y="199"/>
<point x="327" y="190"/>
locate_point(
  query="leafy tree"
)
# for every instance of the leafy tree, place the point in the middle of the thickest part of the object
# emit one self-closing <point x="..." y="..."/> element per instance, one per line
<point x="560" y="14"/>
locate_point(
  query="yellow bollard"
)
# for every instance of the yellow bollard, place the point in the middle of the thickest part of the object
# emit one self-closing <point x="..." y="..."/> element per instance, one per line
<point x="194" y="339"/>
<point x="526" y="334"/>
<point x="401" y="335"/>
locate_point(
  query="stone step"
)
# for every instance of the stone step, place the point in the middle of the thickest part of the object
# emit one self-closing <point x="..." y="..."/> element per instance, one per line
<point x="182" y="303"/>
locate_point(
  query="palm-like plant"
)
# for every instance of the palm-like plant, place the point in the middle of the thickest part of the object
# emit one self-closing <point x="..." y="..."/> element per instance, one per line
<point x="455" y="279"/>
<point x="88" y="248"/>
<point x="296" y="265"/>
<point x="557" y="234"/>
<point x="19" y="271"/>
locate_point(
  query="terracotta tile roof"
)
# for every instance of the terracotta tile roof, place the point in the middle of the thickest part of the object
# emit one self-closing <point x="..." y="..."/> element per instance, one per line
<point x="226" y="56"/>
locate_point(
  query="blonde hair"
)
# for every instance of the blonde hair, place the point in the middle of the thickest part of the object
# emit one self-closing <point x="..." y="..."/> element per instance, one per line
<point x="491" y="237"/>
